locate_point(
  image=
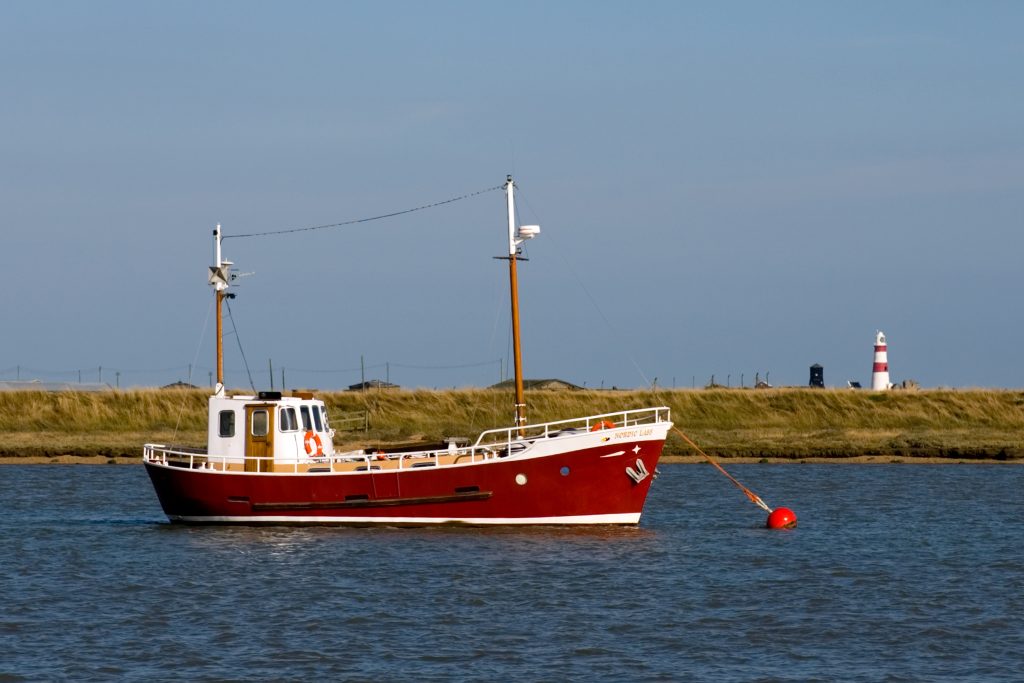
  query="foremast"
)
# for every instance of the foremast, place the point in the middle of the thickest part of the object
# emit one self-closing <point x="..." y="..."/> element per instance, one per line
<point x="515" y="238"/>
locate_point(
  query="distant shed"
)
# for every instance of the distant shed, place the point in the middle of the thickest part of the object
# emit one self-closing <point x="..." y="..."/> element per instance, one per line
<point x="542" y="384"/>
<point x="372" y="384"/>
<point x="179" y="385"/>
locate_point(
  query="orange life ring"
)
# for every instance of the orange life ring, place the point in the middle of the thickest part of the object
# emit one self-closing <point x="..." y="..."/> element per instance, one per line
<point x="603" y="424"/>
<point x="313" y="438"/>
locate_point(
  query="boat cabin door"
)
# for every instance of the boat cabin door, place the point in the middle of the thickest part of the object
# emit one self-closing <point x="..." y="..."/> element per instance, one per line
<point x="259" y="437"/>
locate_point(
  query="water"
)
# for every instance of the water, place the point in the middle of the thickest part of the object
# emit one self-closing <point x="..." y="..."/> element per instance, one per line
<point x="897" y="572"/>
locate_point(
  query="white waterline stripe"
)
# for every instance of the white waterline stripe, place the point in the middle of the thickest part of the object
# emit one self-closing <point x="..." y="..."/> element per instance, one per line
<point x="614" y="518"/>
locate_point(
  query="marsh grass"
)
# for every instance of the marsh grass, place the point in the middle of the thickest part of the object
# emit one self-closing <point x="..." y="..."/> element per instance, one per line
<point x="791" y="423"/>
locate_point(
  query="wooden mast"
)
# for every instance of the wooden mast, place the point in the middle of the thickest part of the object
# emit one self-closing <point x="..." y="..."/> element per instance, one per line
<point x="516" y="349"/>
<point x="515" y="238"/>
<point x="220" y="339"/>
<point x="219" y="280"/>
<point x="517" y="353"/>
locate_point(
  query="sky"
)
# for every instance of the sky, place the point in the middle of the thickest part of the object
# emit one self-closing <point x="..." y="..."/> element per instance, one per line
<point x="723" y="188"/>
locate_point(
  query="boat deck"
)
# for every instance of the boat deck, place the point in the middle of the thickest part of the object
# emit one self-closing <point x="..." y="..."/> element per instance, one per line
<point x="491" y="445"/>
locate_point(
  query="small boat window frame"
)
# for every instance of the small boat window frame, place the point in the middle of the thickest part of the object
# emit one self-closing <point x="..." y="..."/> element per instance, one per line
<point x="316" y="418"/>
<point x="226" y="424"/>
<point x="327" y="425"/>
<point x="264" y="425"/>
<point x="289" y="422"/>
<point x="307" y="423"/>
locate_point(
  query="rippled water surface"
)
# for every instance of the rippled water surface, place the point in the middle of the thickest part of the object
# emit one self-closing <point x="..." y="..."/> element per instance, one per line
<point x="896" y="572"/>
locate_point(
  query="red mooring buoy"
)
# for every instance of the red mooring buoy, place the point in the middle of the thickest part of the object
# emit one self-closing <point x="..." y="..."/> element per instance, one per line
<point x="781" y="518"/>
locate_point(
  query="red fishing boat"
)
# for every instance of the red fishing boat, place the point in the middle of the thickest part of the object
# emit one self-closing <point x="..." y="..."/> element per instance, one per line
<point x="270" y="458"/>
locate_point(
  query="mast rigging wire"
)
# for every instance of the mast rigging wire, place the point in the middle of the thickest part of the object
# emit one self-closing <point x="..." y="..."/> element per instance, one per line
<point x="338" y="225"/>
<point x="239" y="340"/>
<point x="365" y="220"/>
<point x="479" y="364"/>
<point x="195" y="358"/>
<point x="405" y="366"/>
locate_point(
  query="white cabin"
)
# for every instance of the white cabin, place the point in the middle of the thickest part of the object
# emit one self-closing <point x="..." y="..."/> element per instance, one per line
<point x="266" y="429"/>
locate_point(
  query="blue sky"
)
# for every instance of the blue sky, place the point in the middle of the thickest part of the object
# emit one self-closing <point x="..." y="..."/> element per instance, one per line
<point x="723" y="188"/>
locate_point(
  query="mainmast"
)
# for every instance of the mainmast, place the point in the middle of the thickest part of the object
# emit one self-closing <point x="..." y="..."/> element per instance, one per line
<point x="220" y="274"/>
<point x="515" y="238"/>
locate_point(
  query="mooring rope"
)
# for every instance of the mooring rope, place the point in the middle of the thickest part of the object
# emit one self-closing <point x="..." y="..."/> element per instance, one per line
<point x="754" y="498"/>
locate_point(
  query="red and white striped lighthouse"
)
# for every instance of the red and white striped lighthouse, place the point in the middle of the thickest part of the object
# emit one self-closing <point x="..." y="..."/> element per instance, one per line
<point x="880" y="371"/>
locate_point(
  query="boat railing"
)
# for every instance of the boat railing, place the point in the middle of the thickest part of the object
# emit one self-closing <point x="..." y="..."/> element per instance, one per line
<point x="512" y="439"/>
<point x="195" y="457"/>
<point x="417" y="459"/>
<point x="200" y="459"/>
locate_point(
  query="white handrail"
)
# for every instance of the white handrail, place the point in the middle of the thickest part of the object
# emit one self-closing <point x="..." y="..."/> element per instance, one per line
<point x="626" y="418"/>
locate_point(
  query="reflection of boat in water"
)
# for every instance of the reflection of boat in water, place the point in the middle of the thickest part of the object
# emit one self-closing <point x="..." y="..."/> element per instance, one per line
<point x="270" y="458"/>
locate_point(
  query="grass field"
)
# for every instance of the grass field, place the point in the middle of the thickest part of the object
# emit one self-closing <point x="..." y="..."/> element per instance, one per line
<point x="777" y="423"/>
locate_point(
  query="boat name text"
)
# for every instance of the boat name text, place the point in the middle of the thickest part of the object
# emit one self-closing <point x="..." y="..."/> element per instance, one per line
<point x="634" y="433"/>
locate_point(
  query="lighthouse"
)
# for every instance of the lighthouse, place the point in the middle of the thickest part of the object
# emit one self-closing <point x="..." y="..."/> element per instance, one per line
<point x="880" y="371"/>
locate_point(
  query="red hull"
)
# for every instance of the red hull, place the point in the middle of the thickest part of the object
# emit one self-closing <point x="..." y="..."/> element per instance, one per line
<point x="587" y="486"/>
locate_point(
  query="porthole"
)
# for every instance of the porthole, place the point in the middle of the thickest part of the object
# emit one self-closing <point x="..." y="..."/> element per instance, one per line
<point x="564" y="471"/>
<point x="521" y="479"/>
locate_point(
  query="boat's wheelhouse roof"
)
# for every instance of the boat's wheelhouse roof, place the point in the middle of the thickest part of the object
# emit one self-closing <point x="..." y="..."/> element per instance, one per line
<point x="276" y="397"/>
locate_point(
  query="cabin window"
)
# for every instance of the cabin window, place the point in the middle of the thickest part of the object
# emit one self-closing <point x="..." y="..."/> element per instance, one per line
<point x="307" y="423"/>
<point x="260" y="423"/>
<point x="316" y="419"/>
<point x="227" y="423"/>
<point x="289" y="423"/>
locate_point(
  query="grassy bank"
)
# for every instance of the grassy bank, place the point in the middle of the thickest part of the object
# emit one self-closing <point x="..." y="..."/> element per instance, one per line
<point x="783" y="423"/>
